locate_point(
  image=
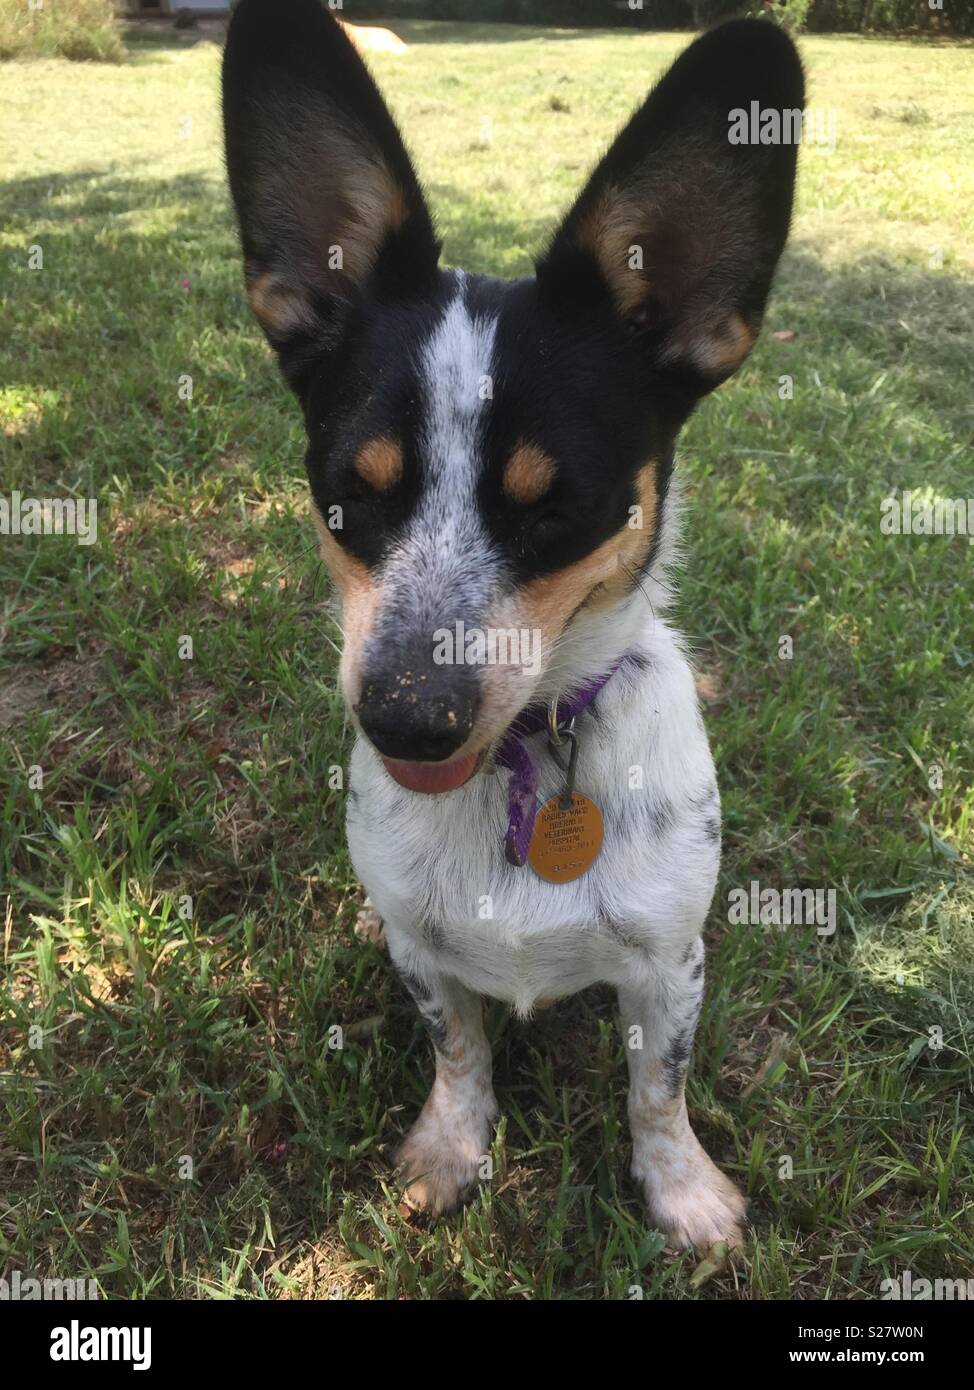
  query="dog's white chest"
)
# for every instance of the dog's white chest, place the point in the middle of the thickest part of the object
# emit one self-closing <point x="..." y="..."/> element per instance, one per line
<point x="435" y="870"/>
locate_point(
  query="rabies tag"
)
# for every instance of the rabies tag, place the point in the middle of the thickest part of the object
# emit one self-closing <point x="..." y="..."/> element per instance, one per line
<point x="565" y="844"/>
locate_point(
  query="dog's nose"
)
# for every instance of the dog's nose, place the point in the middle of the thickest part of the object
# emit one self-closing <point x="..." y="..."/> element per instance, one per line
<point x="417" y="716"/>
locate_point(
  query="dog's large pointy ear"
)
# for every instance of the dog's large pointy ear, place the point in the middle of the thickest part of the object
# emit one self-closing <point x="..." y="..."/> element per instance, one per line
<point x="682" y="226"/>
<point x="325" y="193"/>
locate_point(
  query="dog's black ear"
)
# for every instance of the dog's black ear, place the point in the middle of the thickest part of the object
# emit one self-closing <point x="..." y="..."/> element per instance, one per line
<point x="326" y="196"/>
<point x="681" y="226"/>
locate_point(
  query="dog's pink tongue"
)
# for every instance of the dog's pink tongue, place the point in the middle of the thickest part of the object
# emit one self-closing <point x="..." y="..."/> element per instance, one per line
<point x="431" y="777"/>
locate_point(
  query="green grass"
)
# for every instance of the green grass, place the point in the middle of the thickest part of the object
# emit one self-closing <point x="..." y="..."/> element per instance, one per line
<point x="179" y="902"/>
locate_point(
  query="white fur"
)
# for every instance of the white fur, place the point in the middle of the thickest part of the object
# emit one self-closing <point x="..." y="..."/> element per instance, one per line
<point x="433" y="866"/>
<point x="445" y="564"/>
<point x="461" y="922"/>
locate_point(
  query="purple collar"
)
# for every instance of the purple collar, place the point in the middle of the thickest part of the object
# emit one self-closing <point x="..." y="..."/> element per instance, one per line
<point x="522" y="794"/>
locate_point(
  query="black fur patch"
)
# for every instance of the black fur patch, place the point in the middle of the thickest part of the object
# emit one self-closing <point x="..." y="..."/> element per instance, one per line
<point x="602" y="392"/>
<point x="433" y="935"/>
<point x="418" y="989"/>
<point x="637" y="661"/>
<point x="662" y="815"/>
<point x="676" y="1059"/>
<point x="431" y="1013"/>
<point x="434" y="1020"/>
<point x="706" y="804"/>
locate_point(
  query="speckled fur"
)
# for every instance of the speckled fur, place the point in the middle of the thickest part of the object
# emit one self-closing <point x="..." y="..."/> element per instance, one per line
<point x="424" y="391"/>
<point x="633" y="921"/>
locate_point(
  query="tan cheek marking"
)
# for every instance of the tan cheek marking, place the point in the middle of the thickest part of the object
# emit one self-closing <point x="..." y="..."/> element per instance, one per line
<point x="528" y="475"/>
<point x="595" y="582"/>
<point x="599" y="579"/>
<point x="547" y="603"/>
<point x="361" y="598"/>
<point x="379" y="463"/>
<point x="633" y="542"/>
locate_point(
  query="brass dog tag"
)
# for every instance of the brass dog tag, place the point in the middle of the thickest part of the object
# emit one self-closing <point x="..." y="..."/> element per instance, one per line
<point x="566" y="843"/>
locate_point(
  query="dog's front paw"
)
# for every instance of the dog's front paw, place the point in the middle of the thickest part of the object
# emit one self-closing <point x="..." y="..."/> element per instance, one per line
<point x="442" y="1158"/>
<point x="368" y="925"/>
<point x="690" y="1199"/>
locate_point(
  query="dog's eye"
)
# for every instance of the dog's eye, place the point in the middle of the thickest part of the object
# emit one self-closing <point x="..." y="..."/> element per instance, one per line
<point x="548" y="520"/>
<point x="544" y="528"/>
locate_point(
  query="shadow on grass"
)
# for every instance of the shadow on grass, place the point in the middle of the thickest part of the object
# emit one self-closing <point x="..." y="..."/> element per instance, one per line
<point x="114" y="291"/>
<point x="86" y="195"/>
<point x="893" y="314"/>
<point x="113" y="314"/>
<point x="141" y="282"/>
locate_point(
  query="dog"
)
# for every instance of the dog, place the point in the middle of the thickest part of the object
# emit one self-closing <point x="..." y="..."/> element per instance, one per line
<point x="490" y="457"/>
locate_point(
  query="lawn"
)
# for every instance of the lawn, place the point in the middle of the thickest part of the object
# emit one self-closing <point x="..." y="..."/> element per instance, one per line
<point x="177" y="901"/>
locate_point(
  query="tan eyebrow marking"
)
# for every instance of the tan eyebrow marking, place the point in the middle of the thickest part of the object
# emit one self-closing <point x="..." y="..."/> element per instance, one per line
<point x="379" y="463"/>
<point x="528" y="474"/>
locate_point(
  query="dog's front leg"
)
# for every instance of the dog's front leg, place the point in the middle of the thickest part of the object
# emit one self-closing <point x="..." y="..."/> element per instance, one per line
<point x="687" y="1195"/>
<point x="444" y="1153"/>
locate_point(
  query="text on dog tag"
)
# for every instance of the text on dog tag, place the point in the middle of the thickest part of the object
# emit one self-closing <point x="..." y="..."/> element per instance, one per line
<point x="566" y="843"/>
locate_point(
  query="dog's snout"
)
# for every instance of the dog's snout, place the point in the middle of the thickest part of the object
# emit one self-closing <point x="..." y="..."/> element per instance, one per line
<point x="417" y="717"/>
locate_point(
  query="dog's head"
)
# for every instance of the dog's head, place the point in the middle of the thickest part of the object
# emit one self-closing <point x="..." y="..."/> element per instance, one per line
<point x="489" y="460"/>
